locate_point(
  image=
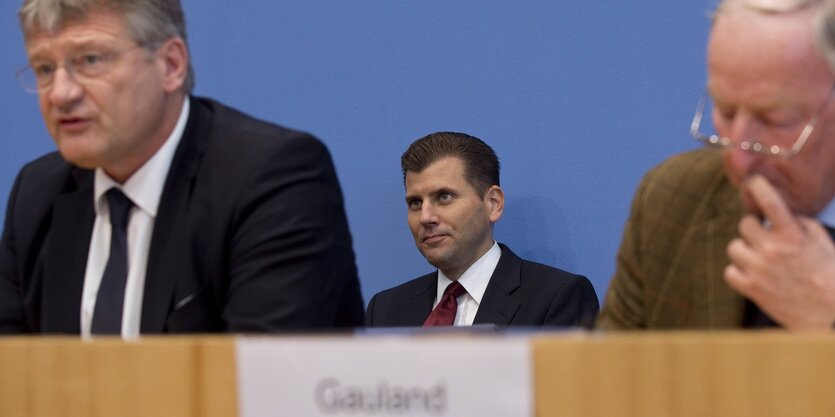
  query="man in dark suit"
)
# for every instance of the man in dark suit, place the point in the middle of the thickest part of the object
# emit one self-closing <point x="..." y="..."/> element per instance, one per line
<point x="734" y="235"/>
<point x="162" y="212"/>
<point x="454" y="199"/>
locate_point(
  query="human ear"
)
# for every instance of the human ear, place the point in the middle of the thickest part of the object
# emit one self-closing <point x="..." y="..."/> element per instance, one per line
<point x="173" y="56"/>
<point x="494" y="197"/>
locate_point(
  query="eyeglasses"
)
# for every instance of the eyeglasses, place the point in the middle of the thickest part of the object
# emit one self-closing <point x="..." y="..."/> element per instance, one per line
<point x="752" y="146"/>
<point x="39" y="75"/>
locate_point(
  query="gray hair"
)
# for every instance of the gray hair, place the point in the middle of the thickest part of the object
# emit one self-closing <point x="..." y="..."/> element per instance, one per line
<point x="150" y="22"/>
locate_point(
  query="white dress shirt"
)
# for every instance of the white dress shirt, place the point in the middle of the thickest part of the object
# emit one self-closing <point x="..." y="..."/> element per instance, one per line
<point x="144" y="189"/>
<point x="474" y="280"/>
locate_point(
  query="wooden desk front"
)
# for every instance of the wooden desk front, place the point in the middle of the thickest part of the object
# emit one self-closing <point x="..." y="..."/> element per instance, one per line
<point x="640" y="374"/>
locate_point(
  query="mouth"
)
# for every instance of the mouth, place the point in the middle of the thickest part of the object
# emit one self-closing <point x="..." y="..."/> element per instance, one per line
<point x="433" y="239"/>
<point x="73" y="124"/>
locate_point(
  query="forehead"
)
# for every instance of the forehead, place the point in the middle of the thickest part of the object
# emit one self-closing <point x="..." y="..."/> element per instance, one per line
<point x="751" y="51"/>
<point x="96" y="27"/>
<point x="444" y="173"/>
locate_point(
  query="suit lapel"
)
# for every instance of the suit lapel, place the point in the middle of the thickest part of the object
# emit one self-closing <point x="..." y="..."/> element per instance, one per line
<point x="416" y="308"/>
<point x="497" y="306"/>
<point x="168" y="253"/>
<point x="65" y="257"/>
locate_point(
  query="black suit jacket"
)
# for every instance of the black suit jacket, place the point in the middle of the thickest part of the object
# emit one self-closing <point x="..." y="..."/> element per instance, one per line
<point x="520" y="293"/>
<point x="250" y="235"/>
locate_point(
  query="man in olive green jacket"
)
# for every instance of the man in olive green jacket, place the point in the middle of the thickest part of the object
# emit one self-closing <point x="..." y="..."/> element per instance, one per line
<point x="736" y="236"/>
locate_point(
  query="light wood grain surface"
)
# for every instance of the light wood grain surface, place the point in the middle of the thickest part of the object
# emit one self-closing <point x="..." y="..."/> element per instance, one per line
<point x="735" y="374"/>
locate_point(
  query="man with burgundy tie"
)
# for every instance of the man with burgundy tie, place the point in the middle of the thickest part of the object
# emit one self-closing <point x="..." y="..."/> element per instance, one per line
<point x="735" y="235"/>
<point x="162" y="212"/>
<point x="453" y="200"/>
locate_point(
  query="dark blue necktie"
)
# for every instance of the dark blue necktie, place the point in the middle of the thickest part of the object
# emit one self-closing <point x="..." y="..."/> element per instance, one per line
<point x="107" y="314"/>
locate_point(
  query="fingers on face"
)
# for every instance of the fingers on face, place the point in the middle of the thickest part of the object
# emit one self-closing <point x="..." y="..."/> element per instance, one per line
<point x="751" y="229"/>
<point x="770" y="202"/>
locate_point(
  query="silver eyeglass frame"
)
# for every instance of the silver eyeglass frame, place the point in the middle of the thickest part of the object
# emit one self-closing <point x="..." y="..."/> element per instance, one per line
<point x="717" y="141"/>
<point x="28" y="78"/>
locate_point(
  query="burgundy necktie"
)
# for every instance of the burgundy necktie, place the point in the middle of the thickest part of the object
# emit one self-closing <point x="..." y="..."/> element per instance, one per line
<point x="444" y="312"/>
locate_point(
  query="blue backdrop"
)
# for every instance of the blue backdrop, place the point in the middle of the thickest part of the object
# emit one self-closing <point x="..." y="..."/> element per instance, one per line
<point x="579" y="98"/>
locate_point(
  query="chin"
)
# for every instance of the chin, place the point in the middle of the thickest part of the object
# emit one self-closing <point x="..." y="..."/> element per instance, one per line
<point x="79" y="159"/>
<point x="437" y="260"/>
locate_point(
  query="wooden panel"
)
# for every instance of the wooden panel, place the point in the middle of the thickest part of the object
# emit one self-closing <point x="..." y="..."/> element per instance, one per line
<point x="217" y="378"/>
<point x="14" y="378"/>
<point x="685" y="374"/>
<point x="54" y="377"/>
<point x="642" y="375"/>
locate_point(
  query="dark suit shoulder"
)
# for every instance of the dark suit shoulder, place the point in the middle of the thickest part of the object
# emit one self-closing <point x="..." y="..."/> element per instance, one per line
<point x="538" y="273"/>
<point x="243" y="149"/>
<point x="527" y="293"/>
<point x="29" y="219"/>
<point x="549" y="279"/>
<point x="407" y="304"/>
<point x="235" y="128"/>
<point x="50" y="173"/>
<point x="571" y="298"/>
<point x="558" y="280"/>
<point x="50" y="161"/>
<point x="412" y="287"/>
<point x="37" y="186"/>
<point x="266" y="210"/>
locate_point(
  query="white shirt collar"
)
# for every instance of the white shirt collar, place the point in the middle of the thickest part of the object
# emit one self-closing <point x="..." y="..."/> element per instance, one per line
<point x="144" y="187"/>
<point x="476" y="277"/>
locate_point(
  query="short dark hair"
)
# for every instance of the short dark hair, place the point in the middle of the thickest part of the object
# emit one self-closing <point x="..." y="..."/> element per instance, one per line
<point x="481" y="165"/>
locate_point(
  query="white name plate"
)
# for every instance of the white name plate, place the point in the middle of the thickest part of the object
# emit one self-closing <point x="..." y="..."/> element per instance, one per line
<point x="385" y="376"/>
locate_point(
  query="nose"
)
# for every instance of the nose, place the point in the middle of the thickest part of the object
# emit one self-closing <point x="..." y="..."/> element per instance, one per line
<point x="739" y="162"/>
<point x="427" y="215"/>
<point x="743" y="127"/>
<point x="65" y="90"/>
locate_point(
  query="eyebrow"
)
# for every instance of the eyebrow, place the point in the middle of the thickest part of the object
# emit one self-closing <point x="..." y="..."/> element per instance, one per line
<point x="432" y="193"/>
<point x="767" y="108"/>
<point x="71" y="47"/>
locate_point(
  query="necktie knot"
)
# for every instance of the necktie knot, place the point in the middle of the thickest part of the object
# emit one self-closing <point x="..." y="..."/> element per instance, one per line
<point x="444" y="312"/>
<point x="455" y="289"/>
<point x="119" y="205"/>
